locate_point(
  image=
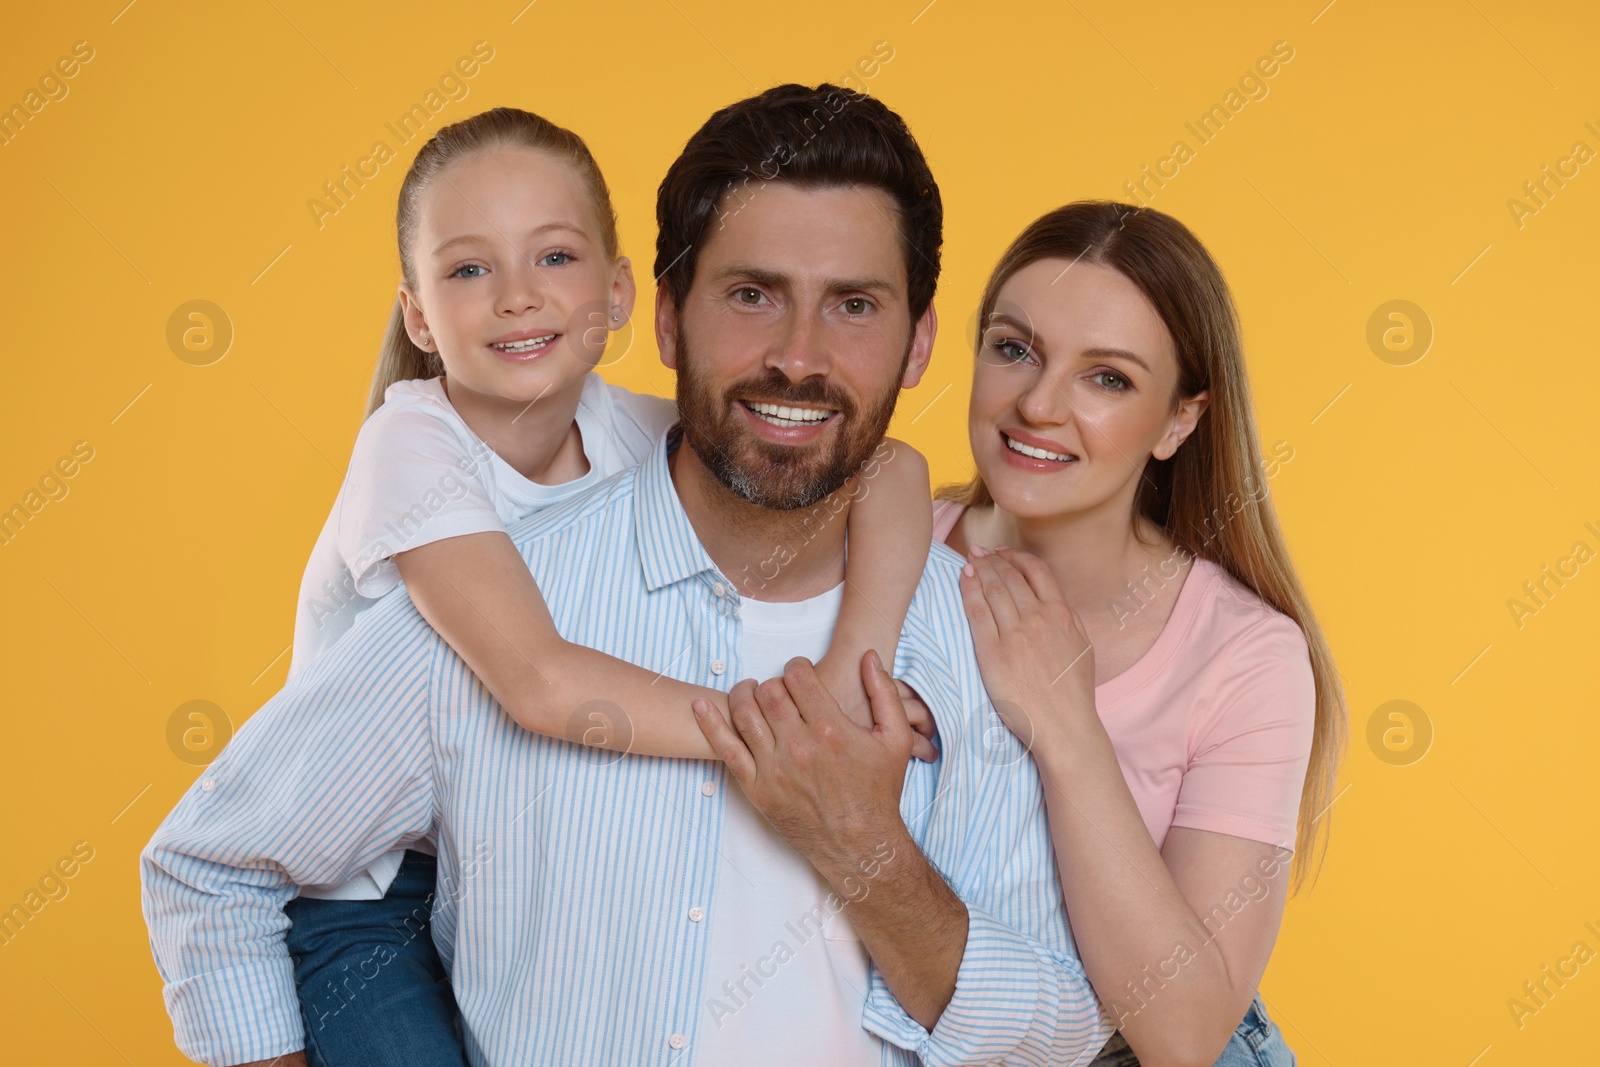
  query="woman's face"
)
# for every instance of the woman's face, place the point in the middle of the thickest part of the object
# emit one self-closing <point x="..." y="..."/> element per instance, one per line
<point x="514" y="288"/>
<point x="1073" y="391"/>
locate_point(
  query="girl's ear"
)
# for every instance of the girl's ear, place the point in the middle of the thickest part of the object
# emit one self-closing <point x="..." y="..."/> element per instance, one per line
<point x="416" y="325"/>
<point x="623" y="293"/>
<point x="1183" y="423"/>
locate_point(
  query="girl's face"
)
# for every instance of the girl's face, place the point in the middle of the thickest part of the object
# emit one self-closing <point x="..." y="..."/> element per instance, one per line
<point x="1073" y="391"/>
<point x="514" y="290"/>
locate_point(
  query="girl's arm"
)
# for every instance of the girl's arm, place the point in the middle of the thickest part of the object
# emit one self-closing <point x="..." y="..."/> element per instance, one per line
<point x="476" y="592"/>
<point x="1174" y="941"/>
<point x="890" y="531"/>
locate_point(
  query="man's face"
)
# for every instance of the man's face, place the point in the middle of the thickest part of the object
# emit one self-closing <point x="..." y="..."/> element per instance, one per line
<point x="794" y="340"/>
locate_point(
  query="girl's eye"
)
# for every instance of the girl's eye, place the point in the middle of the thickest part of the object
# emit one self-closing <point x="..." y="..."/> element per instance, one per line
<point x="563" y="257"/>
<point x="1013" y="351"/>
<point x="856" y="305"/>
<point x="1111" y="380"/>
<point x="466" y="266"/>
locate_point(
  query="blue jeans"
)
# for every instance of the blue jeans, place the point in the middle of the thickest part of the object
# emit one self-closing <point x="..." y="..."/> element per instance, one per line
<point x="1256" y="1043"/>
<point x="373" y="991"/>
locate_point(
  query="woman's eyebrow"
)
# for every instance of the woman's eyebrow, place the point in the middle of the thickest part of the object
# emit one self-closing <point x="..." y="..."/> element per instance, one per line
<point x="1117" y="353"/>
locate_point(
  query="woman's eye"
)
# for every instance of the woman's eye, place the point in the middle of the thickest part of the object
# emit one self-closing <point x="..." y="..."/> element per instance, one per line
<point x="563" y="257"/>
<point x="1012" y="350"/>
<point x="857" y="305"/>
<point x="467" y="266"/>
<point x="1111" y="380"/>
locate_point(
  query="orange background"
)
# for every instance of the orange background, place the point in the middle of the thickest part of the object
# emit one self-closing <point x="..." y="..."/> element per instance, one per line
<point x="1426" y="485"/>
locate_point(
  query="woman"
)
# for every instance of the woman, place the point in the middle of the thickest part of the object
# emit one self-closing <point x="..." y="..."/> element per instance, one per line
<point x="1147" y="635"/>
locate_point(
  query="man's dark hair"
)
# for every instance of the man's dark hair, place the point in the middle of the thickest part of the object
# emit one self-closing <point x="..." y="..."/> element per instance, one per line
<point x="827" y="136"/>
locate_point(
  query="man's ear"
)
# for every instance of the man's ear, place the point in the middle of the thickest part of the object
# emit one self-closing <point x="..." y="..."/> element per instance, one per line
<point x="416" y="324"/>
<point x="921" y="347"/>
<point x="1183" y="423"/>
<point x="666" y="326"/>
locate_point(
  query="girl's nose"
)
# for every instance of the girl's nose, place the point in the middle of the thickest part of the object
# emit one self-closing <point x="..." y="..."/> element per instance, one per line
<point x="523" y="289"/>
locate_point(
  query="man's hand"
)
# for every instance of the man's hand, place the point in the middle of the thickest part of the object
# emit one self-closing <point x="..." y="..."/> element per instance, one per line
<point x="291" y="1059"/>
<point x="832" y="788"/>
<point x="828" y="785"/>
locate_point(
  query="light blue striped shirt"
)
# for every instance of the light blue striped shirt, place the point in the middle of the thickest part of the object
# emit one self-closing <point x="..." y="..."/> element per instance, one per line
<point x="566" y="873"/>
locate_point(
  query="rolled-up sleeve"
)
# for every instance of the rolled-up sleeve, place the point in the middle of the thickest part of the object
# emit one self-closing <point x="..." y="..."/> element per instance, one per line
<point x="328" y="775"/>
<point x="1021" y="995"/>
<point x="1015" y="1002"/>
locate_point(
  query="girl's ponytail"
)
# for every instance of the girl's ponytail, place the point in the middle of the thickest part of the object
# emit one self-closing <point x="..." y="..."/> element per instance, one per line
<point x="400" y="360"/>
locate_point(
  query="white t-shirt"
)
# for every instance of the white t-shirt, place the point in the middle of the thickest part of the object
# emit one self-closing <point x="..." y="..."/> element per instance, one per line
<point x="787" y="975"/>
<point x="417" y="475"/>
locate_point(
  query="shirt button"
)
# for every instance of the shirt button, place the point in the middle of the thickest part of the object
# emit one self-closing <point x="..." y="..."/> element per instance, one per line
<point x="677" y="1041"/>
<point x="207" y="785"/>
<point x="708" y="788"/>
<point x="718" y="589"/>
<point x="696" y="914"/>
<point x="718" y="667"/>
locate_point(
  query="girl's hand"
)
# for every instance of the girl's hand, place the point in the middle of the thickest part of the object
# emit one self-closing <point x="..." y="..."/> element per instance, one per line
<point x="921" y="720"/>
<point x="845" y="685"/>
<point x="1035" y="658"/>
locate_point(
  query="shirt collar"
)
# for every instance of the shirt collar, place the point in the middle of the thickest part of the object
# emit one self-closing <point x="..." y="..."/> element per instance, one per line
<point x="668" y="547"/>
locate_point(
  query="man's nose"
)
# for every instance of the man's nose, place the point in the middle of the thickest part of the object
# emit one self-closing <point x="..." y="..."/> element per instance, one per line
<point x="800" y="350"/>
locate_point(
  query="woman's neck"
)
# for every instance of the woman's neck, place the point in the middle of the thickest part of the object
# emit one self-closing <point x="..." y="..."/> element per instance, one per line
<point x="540" y="440"/>
<point x="1093" y="554"/>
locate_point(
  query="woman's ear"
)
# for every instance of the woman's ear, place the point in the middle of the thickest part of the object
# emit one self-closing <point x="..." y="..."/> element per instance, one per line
<point x="416" y="324"/>
<point x="1183" y="423"/>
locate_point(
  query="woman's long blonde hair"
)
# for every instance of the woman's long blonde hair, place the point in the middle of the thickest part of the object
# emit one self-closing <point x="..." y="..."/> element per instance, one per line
<point x="400" y="359"/>
<point x="1194" y="496"/>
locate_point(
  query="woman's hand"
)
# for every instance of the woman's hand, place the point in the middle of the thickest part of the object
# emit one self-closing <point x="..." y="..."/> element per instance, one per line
<point x="1036" y="660"/>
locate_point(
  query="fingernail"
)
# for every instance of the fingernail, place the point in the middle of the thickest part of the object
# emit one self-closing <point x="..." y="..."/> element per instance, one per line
<point x="1002" y="548"/>
<point x="966" y="568"/>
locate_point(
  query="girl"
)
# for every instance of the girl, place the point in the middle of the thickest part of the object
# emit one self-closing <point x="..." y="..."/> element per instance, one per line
<point x="1147" y="634"/>
<point x="483" y="410"/>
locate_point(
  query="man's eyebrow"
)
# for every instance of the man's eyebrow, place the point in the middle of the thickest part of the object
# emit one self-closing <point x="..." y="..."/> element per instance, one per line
<point x="779" y="280"/>
<point x="477" y="238"/>
<point x="1000" y="318"/>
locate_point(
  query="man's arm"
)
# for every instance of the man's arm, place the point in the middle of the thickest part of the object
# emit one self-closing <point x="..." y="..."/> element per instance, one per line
<point x="966" y="986"/>
<point x="327" y="776"/>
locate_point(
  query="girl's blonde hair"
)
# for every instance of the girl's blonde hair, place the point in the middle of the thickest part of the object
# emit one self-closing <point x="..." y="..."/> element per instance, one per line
<point x="400" y="359"/>
<point x="1208" y="497"/>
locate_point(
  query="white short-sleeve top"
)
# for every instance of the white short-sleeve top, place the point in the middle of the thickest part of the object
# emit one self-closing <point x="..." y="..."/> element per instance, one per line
<point x="418" y="474"/>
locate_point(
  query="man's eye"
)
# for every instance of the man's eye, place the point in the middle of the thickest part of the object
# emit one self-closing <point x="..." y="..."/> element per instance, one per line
<point x="749" y="295"/>
<point x="857" y="305"/>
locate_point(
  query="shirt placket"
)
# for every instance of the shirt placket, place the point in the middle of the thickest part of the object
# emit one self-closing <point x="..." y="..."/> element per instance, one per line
<point x="714" y="609"/>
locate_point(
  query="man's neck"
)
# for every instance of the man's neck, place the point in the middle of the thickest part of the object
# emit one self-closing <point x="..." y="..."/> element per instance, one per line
<point x="767" y="554"/>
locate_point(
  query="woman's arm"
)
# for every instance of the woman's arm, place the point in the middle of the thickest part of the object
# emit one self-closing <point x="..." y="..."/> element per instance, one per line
<point x="476" y="591"/>
<point x="891" y="529"/>
<point x="1169" y="947"/>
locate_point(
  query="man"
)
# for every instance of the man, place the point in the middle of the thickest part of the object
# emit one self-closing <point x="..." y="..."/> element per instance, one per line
<point x="596" y="909"/>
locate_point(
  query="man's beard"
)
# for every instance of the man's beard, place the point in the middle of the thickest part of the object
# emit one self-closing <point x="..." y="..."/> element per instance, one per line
<point x="768" y="475"/>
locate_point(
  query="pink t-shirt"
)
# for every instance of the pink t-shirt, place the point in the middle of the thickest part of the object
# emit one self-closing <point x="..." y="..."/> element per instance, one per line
<point x="1212" y="725"/>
